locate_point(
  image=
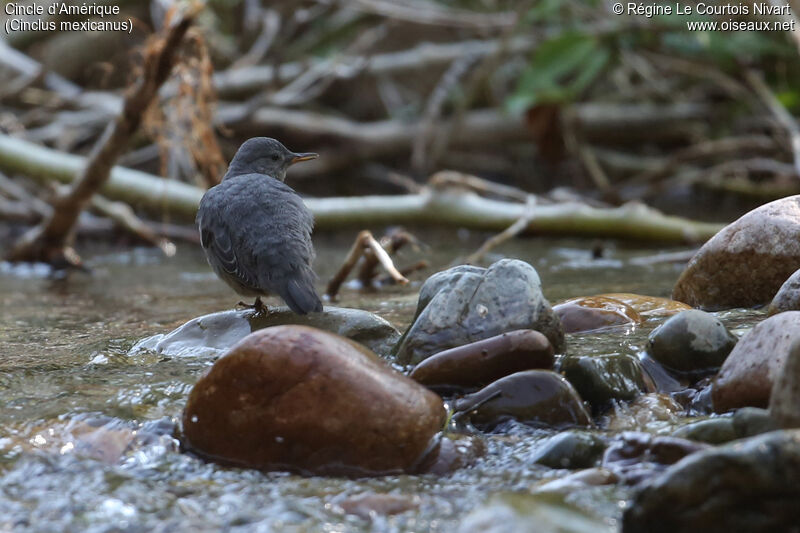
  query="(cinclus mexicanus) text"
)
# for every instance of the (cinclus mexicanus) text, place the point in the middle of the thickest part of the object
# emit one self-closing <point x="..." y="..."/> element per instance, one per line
<point x="256" y="231"/>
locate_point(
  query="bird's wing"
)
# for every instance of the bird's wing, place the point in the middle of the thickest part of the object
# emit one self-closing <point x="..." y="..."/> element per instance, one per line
<point x="220" y="237"/>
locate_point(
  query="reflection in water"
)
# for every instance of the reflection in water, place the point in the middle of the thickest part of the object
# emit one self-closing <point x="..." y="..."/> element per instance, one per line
<point x="85" y="430"/>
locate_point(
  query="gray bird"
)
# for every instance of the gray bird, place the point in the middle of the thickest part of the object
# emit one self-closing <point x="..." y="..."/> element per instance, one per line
<point x="256" y="231"/>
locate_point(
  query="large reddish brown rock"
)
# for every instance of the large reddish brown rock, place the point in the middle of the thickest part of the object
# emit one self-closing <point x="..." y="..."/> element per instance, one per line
<point x="747" y="261"/>
<point x="301" y="399"/>
<point x="747" y="375"/>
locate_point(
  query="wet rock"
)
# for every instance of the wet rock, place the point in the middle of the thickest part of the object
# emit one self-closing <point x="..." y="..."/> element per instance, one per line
<point x="635" y="457"/>
<point x="537" y="397"/>
<point x="480" y="363"/>
<point x="747" y="485"/>
<point x="747" y="375"/>
<point x="710" y="431"/>
<point x="465" y="304"/>
<point x="453" y="453"/>
<point x="542" y="513"/>
<point x="788" y="296"/>
<point x="745" y="422"/>
<point x="752" y="421"/>
<point x="648" y="306"/>
<point x="301" y="399"/>
<point x="693" y="342"/>
<point x="592" y="313"/>
<point x="212" y="335"/>
<point x="747" y="261"/>
<point x="570" y="449"/>
<point x="370" y="504"/>
<point x="784" y="401"/>
<point x="602" y="378"/>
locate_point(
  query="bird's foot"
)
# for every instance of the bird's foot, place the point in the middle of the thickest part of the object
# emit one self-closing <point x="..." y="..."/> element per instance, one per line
<point x="258" y="307"/>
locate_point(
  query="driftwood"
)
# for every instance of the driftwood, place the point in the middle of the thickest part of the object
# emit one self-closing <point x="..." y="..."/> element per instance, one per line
<point x="48" y="241"/>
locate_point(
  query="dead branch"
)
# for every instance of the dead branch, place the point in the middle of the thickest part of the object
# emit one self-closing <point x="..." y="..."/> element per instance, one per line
<point x="48" y="241"/>
<point x="509" y="233"/>
<point x="432" y="205"/>
<point x="124" y="217"/>
<point x="364" y="242"/>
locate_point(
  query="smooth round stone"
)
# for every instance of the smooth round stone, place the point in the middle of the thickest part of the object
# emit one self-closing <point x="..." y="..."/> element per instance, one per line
<point x="784" y="401"/>
<point x="788" y="296"/>
<point x="570" y="449"/>
<point x="711" y="431"/>
<point x="692" y="341"/>
<point x="748" y="373"/>
<point x="301" y="399"/>
<point x="747" y="261"/>
<point x="214" y="334"/>
<point x="599" y="379"/>
<point x="648" y="306"/>
<point x="592" y="313"/>
<point x="536" y="397"/>
<point x="746" y="485"/>
<point x="465" y="304"/>
<point x="480" y="363"/>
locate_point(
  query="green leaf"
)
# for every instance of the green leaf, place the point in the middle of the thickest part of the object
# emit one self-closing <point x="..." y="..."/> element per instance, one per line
<point x="559" y="71"/>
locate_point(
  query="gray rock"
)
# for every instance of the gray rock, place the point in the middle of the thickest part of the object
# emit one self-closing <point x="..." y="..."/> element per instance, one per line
<point x="570" y="449"/>
<point x="536" y="397"/>
<point x="692" y="341"/>
<point x="747" y="261"/>
<point x="465" y="304"/>
<point x="212" y="335"/>
<point x="747" y="485"/>
<point x="602" y="378"/>
<point x="747" y="375"/>
<point x="784" y="401"/>
<point x="788" y="296"/>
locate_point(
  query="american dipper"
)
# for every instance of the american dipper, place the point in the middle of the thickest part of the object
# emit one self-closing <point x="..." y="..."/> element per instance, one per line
<point x="256" y="231"/>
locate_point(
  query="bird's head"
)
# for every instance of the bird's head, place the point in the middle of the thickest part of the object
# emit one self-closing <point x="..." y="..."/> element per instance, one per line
<point x="264" y="155"/>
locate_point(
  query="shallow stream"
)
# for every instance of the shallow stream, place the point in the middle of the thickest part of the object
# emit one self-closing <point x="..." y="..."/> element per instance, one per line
<point x="65" y="371"/>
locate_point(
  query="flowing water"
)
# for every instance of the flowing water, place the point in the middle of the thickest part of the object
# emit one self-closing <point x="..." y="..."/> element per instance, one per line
<point x="85" y="429"/>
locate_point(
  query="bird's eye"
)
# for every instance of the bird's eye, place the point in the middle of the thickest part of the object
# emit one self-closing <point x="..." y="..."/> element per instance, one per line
<point x="274" y="157"/>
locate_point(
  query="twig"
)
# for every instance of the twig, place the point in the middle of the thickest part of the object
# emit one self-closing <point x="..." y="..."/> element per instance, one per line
<point x="125" y="218"/>
<point x="509" y="233"/>
<point x="48" y="241"/>
<point x="450" y="178"/>
<point x="364" y="241"/>
<point x="779" y="111"/>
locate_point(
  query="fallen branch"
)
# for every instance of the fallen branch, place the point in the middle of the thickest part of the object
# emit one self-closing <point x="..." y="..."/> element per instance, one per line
<point x="433" y="206"/>
<point x="509" y="233"/>
<point x="47" y="242"/>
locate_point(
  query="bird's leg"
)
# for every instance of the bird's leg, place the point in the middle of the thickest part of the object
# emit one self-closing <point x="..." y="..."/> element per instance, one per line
<point x="258" y="307"/>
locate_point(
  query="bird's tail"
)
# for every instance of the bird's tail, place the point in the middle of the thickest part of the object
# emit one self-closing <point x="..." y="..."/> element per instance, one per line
<point x="301" y="297"/>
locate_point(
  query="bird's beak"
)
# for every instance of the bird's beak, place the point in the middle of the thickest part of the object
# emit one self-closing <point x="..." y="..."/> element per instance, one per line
<point x="303" y="157"/>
